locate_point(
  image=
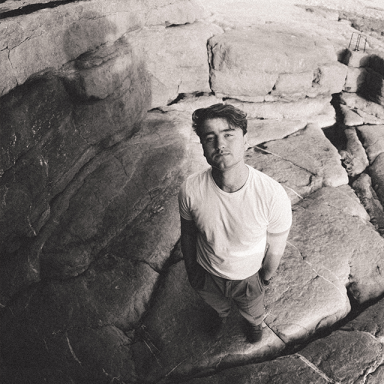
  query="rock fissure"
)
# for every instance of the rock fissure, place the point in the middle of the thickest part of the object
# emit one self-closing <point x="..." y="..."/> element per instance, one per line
<point x="316" y="369"/>
<point x="288" y="160"/>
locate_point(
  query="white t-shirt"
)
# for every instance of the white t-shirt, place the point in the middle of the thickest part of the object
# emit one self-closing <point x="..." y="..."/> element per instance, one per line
<point x="232" y="227"/>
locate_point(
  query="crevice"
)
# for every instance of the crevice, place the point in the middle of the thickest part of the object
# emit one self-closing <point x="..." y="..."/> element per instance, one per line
<point x="317" y="370"/>
<point x="280" y="157"/>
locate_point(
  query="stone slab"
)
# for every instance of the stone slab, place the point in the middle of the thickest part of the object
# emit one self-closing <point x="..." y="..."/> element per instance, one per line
<point x="359" y="103"/>
<point x="354" y="157"/>
<point x="314" y="158"/>
<point x="352" y="250"/>
<point x="261" y="131"/>
<point x="297" y="110"/>
<point x="176" y="59"/>
<point x="175" y="341"/>
<point x="283" y="370"/>
<point x="345" y="357"/>
<point x="302" y="300"/>
<point x="372" y="137"/>
<point x="367" y="195"/>
<point x="246" y="63"/>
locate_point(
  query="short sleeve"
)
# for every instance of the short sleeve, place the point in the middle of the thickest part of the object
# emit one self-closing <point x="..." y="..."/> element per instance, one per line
<point x="280" y="219"/>
<point x="184" y="203"/>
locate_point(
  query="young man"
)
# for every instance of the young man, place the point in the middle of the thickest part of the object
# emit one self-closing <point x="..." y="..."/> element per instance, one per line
<point x="235" y="221"/>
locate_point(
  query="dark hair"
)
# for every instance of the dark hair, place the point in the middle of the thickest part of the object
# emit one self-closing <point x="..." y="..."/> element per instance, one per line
<point x="234" y="116"/>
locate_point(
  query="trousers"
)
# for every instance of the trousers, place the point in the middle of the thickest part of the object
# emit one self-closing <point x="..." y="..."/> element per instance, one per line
<point x="247" y="294"/>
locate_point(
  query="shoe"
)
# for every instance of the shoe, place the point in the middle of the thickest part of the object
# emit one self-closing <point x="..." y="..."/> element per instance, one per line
<point x="255" y="332"/>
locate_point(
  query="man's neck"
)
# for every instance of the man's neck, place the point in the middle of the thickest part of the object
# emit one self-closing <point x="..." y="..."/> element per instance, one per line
<point x="231" y="180"/>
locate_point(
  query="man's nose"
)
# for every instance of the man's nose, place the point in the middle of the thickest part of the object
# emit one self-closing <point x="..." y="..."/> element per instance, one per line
<point x="220" y="142"/>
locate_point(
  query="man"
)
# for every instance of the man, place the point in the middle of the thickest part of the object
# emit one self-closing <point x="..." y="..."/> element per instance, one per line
<point x="235" y="221"/>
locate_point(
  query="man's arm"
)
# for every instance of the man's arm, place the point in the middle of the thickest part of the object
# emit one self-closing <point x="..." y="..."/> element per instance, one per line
<point x="188" y="246"/>
<point x="276" y="246"/>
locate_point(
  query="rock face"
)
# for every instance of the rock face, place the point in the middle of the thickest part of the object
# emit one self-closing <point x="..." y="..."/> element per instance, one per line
<point x="95" y="141"/>
<point x="243" y="67"/>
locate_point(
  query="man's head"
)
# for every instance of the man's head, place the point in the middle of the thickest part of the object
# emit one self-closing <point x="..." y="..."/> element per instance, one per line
<point x="234" y="117"/>
<point x="222" y="131"/>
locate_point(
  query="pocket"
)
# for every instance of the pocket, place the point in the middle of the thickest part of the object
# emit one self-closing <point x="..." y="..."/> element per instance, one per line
<point x="254" y="286"/>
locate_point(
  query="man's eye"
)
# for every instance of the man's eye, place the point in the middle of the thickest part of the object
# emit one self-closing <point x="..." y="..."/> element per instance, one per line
<point x="208" y="139"/>
<point x="228" y="135"/>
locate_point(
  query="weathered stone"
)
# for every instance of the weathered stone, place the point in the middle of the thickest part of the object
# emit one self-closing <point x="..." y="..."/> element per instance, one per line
<point x="326" y="118"/>
<point x="50" y="38"/>
<point x="355" y="81"/>
<point x="364" y="191"/>
<point x="112" y="293"/>
<point x="310" y="150"/>
<point x="171" y="12"/>
<point x="8" y="80"/>
<point x="352" y="249"/>
<point x="302" y="299"/>
<point x="370" y="321"/>
<point x="359" y="103"/>
<point x="293" y="83"/>
<point x="190" y="103"/>
<point x="350" y="118"/>
<point x="176" y="59"/>
<point x="180" y="319"/>
<point x="376" y="171"/>
<point x="373" y="140"/>
<point x="246" y="63"/>
<point x="345" y="357"/>
<point x="354" y="157"/>
<point x="330" y="78"/>
<point x="118" y="184"/>
<point x="283" y="370"/>
<point x="260" y="131"/>
<point x="297" y="110"/>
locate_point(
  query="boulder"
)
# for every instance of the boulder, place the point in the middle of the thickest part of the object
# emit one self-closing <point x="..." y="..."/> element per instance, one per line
<point x="330" y="78"/>
<point x="360" y="104"/>
<point x="350" y="118"/>
<point x="376" y="171"/>
<point x="114" y="189"/>
<point x="355" y="81"/>
<point x="302" y="300"/>
<point x="176" y="59"/>
<point x="261" y="131"/>
<point x="308" y="152"/>
<point x="352" y="250"/>
<point x="246" y="63"/>
<point x="303" y="109"/>
<point x="54" y="36"/>
<point x="367" y="195"/>
<point x="372" y="137"/>
<point x="353" y="156"/>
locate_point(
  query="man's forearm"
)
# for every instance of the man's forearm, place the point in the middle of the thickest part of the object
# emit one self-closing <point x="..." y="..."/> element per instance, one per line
<point x="188" y="248"/>
<point x="270" y="264"/>
<point x="275" y="251"/>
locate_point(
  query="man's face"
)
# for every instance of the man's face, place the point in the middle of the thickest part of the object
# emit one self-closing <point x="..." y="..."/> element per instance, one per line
<point x="223" y="146"/>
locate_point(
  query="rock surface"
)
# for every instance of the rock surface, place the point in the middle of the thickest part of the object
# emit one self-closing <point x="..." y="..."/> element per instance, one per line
<point x="93" y="286"/>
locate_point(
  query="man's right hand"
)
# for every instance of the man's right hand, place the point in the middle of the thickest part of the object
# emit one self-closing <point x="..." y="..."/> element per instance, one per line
<point x="196" y="276"/>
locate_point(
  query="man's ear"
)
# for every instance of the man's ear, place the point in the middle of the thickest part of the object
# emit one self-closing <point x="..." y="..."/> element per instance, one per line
<point x="246" y="145"/>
